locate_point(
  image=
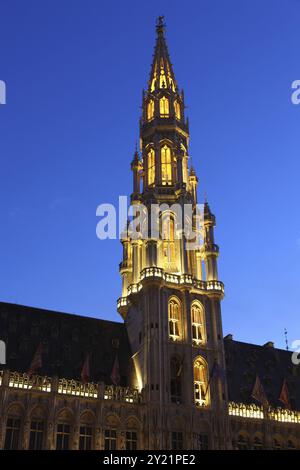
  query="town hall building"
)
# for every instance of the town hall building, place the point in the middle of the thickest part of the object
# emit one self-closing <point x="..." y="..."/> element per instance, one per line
<point x="164" y="377"/>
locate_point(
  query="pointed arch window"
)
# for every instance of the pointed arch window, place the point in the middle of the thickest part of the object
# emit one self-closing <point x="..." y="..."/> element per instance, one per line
<point x="166" y="165"/>
<point x="164" y="107"/>
<point x="151" y="167"/>
<point x="201" y="388"/>
<point x="174" y="310"/>
<point x="168" y="242"/>
<point x="150" y="110"/>
<point x="177" y="110"/>
<point x="176" y="367"/>
<point x="198" y="328"/>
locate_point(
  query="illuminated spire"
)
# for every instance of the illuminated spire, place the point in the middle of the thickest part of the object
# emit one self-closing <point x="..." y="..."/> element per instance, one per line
<point x="162" y="75"/>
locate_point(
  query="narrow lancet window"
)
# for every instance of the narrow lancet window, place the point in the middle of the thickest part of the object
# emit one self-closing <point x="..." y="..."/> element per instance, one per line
<point x="166" y="165"/>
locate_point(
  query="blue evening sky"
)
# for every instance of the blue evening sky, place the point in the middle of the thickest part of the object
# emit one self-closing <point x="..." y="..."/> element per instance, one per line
<point x="74" y="72"/>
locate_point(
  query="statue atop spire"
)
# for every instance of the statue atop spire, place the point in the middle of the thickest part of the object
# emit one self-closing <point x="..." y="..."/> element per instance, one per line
<point x="160" y="25"/>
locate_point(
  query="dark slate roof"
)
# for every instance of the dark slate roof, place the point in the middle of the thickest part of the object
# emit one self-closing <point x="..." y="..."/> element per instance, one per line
<point x="66" y="339"/>
<point x="272" y="365"/>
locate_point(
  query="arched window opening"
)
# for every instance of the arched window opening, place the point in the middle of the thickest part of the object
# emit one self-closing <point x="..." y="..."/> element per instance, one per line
<point x="150" y="110"/>
<point x="176" y="374"/>
<point x="110" y="439"/>
<point x="36" y="436"/>
<point x="13" y="427"/>
<point x="86" y="431"/>
<point x="174" y="308"/>
<point x="85" y="437"/>
<point x="166" y="165"/>
<point x="177" y="110"/>
<point x="201" y="391"/>
<point x="164" y="108"/>
<point x="151" y="167"/>
<point x="198" y="329"/>
<point x="169" y="243"/>
<point x="64" y="430"/>
<point x="63" y="436"/>
<point x="12" y="436"/>
<point x="131" y="440"/>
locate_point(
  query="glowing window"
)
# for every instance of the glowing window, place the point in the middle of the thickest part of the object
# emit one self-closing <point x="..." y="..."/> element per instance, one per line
<point x="201" y="389"/>
<point x="151" y="167"/>
<point x="174" y="308"/>
<point x="164" y="107"/>
<point x="166" y="167"/>
<point x="150" y="110"/>
<point x="168" y="243"/>
<point x="198" y="330"/>
<point x="177" y="110"/>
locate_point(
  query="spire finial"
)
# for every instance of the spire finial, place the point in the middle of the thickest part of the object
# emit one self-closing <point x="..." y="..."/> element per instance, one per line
<point x="160" y="25"/>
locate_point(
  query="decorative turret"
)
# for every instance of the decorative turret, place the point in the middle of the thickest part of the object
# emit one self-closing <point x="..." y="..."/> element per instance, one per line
<point x="136" y="168"/>
<point x="210" y="250"/>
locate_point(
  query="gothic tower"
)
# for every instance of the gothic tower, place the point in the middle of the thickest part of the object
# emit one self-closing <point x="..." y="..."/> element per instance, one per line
<point x="170" y="289"/>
